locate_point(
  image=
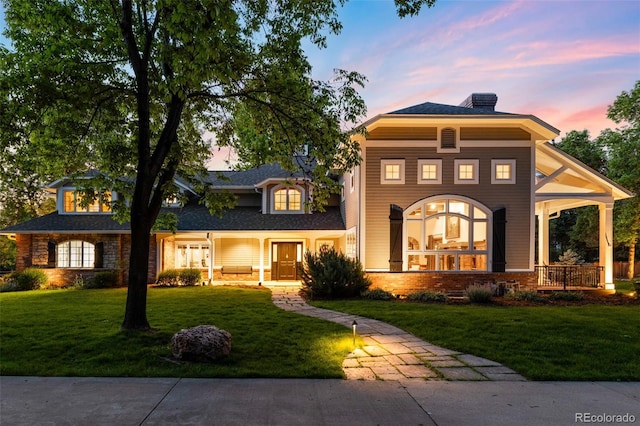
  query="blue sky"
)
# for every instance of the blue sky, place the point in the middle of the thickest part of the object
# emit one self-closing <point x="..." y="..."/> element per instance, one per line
<point x="563" y="61"/>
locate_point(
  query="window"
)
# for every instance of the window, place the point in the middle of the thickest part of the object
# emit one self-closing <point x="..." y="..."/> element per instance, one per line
<point x="466" y="171"/>
<point x="287" y="199"/>
<point x="392" y="172"/>
<point x="503" y="171"/>
<point x="447" y="234"/>
<point x="71" y="203"/>
<point x="192" y="255"/>
<point x="75" y="254"/>
<point x="351" y="244"/>
<point x="429" y="172"/>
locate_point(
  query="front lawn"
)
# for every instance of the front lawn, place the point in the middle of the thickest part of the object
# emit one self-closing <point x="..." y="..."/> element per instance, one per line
<point x="77" y="333"/>
<point x="587" y="342"/>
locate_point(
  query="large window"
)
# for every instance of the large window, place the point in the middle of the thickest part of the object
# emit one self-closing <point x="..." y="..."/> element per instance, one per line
<point x="75" y="254"/>
<point x="447" y="234"/>
<point x="71" y="203"/>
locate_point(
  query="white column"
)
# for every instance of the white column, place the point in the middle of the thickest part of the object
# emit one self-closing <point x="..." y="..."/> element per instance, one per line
<point x="543" y="236"/>
<point x="211" y="258"/>
<point x="261" y="259"/>
<point x="606" y="243"/>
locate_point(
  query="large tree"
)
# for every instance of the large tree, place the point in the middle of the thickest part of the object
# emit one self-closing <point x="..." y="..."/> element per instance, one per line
<point x="127" y="87"/>
<point x="624" y="167"/>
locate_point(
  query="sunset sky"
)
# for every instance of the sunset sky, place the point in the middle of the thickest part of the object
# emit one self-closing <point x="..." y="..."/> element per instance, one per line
<point x="563" y="61"/>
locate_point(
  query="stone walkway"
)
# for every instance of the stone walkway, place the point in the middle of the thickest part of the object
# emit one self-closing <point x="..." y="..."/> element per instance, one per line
<point x="390" y="353"/>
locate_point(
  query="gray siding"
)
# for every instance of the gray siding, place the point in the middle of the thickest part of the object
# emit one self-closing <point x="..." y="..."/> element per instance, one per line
<point x="515" y="198"/>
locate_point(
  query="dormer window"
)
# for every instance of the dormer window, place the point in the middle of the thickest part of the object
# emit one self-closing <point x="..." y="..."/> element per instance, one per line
<point x="71" y="203"/>
<point x="287" y="199"/>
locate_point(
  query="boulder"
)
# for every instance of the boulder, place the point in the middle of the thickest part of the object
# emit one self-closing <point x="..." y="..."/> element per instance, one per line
<point x="201" y="343"/>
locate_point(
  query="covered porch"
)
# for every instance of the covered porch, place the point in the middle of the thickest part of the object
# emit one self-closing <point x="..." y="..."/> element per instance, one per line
<point x="563" y="183"/>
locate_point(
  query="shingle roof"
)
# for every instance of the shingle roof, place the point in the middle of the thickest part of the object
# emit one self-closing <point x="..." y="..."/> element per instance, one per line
<point x="251" y="177"/>
<point x="442" y="109"/>
<point x="190" y="218"/>
<point x="197" y="217"/>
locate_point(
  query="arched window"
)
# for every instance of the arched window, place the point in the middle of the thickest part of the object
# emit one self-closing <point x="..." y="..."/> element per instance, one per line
<point x="75" y="254"/>
<point x="447" y="234"/>
<point x="287" y="199"/>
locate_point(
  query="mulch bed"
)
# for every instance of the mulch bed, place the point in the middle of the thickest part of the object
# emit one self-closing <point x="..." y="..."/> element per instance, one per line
<point x="616" y="299"/>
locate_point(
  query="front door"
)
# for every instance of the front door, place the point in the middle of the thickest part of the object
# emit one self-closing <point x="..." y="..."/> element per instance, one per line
<point x="287" y="261"/>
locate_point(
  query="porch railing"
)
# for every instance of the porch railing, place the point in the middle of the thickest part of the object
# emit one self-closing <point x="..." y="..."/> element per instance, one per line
<point x="569" y="276"/>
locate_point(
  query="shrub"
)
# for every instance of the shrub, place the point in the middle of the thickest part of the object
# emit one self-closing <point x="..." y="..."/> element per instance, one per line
<point x="569" y="296"/>
<point x="427" y="296"/>
<point x="176" y="278"/>
<point x="190" y="277"/>
<point x="479" y="293"/>
<point x="377" y="294"/>
<point x="527" y="296"/>
<point x="104" y="279"/>
<point x="29" y="279"/>
<point x="330" y="274"/>
<point x="169" y="278"/>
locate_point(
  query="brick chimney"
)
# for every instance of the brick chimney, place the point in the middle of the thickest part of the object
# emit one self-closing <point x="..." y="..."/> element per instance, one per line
<point x="486" y="101"/>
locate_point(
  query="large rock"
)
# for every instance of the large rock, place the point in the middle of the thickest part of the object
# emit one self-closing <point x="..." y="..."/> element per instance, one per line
<point x="201" y="343"/>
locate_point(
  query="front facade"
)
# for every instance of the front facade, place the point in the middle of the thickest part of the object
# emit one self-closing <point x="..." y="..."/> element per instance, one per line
<point x="445" y="196"/>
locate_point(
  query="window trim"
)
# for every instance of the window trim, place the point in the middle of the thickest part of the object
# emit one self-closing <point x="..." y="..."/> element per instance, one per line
<point x="476" y="171"/>
<point x="435" y="162"/>
<point x="85" y="248"/>
<point x="288" y="210"/>
<point x="383" y="169"/>
<point x="494" y="172"/>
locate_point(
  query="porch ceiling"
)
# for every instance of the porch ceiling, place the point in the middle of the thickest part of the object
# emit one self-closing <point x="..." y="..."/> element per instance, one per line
<point x="564" y="183"/>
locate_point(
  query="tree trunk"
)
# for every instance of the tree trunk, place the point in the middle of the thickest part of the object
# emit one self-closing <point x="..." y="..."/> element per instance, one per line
<point x="135" y="317"/>
<point x="632" y="259"/>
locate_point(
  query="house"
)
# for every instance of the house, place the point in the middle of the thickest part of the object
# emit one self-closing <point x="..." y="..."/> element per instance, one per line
<point x="446" y="195"/>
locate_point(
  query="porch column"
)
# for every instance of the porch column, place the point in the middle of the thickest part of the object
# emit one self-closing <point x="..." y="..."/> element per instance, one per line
<point x="261" y="259"/>
<point x="543" y="236"/>
<point x="211" y="258"/>
<point x="606" y="243"/>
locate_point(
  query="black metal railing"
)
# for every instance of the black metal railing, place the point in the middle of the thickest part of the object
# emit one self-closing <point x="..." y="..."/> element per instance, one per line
<point x="569" y="275"/>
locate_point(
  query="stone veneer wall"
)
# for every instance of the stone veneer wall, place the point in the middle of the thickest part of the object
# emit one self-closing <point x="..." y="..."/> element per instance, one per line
<point x="403" y="283"/>
<point x="33" y="252"/>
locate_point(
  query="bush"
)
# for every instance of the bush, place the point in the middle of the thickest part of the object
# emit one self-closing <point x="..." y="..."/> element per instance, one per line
<point x="479" y="293"/>
<point x="176" y="278"/>
<point x="377" y="294"/>
<point x="169" y="278"/>
<point x="328" y="274"/>
<point x="29" y="279"/>
<point x="569" y="296"/>
<point x="428" y="296"/>
<point x="104" y="279"/>
<point x="190" y="277"/>
<point x="527" y="296"/>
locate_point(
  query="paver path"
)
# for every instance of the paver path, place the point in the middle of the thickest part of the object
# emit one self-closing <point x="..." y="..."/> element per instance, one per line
<point x="390" y="353"/>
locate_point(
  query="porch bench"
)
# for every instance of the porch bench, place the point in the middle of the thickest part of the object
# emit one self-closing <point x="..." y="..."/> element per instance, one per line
<point x="236" y="270"/>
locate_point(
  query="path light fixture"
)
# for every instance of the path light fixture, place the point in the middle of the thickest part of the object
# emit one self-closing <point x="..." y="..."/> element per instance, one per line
<point x="354" y="324"/>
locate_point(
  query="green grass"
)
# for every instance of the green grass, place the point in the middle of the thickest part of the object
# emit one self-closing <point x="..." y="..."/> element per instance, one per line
<point x="77" y="333"/>
<point x="589" y="342"/>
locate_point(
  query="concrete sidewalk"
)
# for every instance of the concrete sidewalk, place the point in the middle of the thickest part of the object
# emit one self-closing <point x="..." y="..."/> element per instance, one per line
<point x="167" y="401"/>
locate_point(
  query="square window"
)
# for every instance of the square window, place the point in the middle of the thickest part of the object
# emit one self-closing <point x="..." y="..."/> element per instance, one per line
<point x="503" y="171"/>
<point x="392" y="172"/>
<point x="467" y="171"/>
<point x="429" y="172"/>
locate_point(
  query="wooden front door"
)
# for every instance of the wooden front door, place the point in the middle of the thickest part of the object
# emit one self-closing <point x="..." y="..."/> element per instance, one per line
<point x="287" y="261"/>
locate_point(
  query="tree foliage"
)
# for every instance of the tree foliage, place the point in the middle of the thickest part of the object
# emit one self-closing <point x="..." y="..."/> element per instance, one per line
<point x="128" y="87"/>
<point x="624" y="166"/>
